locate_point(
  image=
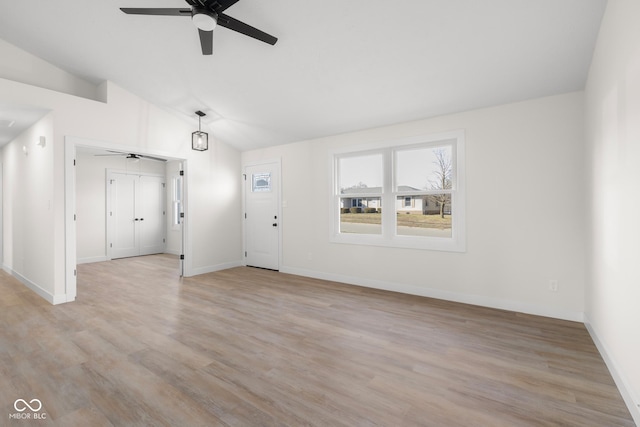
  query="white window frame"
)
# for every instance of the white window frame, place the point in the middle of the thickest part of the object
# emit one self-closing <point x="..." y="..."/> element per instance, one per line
<point x="176" y="200"/>
<point x="388" y="237"/>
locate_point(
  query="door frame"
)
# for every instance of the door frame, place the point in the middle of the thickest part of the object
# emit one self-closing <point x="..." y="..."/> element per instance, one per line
<point x="108" y="204"/>
<point x="278" y="165"/>
<point x="70" y="232"/>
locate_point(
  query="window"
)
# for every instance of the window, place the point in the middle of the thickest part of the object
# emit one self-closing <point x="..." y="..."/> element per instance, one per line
<point x="425" y="173"/>
<point x="406" y="193"/>
<point x="261" y="182"/>
<point x="360" y="181"/>
<point x="176" y="200"/>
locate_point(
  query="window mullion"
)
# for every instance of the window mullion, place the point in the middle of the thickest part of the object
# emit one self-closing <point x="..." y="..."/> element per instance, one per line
<point x="388" y="196"/>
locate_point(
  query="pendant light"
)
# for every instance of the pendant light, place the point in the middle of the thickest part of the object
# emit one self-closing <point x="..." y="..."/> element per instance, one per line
<point x="199" y="139"/>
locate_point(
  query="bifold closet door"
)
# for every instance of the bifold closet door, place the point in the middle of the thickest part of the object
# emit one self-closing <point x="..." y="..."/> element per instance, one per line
<point x="150" y="212"/>
<point x="124" y="233"/>
<point x="136" y="215"/>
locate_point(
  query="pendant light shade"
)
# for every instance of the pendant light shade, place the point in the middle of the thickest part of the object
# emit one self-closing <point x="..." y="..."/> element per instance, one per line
<point x="199" y="139"/>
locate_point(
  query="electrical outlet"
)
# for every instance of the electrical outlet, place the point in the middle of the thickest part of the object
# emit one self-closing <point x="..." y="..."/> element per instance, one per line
<point x="553" y="285"/>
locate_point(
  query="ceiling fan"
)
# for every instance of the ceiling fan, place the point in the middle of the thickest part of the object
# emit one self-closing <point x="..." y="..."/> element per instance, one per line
<point x="131" y="156"/>
<point x="205" y="14"/>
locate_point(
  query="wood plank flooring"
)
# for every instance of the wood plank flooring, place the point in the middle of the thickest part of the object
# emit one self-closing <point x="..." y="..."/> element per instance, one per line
<point x="250" y="347"/>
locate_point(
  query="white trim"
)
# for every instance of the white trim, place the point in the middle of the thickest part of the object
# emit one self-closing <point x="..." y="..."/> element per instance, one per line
<point x="478" y="300"/>
<point x="53" y="299"/>
<point x="213" y="268"/>
<point x="187" y="238"/>
<point x="70" y="237"/>
<point x="632" y="402"/>
<point x="90" y="260"/>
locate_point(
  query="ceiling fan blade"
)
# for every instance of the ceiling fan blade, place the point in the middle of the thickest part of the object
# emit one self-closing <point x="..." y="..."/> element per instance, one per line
<point x="206" y="41"/>
<point x="152" y="158"/>
<point x="222" y="5"/>
<point x="242" y="28"/>
<point x="156" y="11"/>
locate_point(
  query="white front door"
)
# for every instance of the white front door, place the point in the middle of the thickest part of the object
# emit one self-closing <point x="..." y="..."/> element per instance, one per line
<point x="262" y="215"/>
<point x="136" y="215"/>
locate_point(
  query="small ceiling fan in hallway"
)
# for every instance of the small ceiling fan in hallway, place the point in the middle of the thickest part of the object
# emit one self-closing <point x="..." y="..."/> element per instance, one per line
<point x="131" y="156"/>
<point x="206" y="14"/>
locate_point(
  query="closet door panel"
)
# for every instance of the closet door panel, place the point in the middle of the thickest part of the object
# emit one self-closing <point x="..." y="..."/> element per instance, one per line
<point x="124" y="230"/>
<point x="151" y="212"/>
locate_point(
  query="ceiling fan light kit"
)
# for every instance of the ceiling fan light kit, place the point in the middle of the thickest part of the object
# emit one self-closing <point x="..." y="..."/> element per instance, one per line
<point x="203" y="19"/>
<point x="206" y="15"/>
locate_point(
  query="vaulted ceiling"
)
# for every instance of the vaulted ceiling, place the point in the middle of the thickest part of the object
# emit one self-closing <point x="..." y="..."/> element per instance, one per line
<point x="338" y="66"/>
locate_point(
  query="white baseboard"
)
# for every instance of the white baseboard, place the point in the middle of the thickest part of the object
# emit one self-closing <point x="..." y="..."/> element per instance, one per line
<point x="211" y="268"/>
<point x="89" y="260"/>
<point x="51" y="298"/>
<point x="632" y="402"/>
<point x="440" y="294"/>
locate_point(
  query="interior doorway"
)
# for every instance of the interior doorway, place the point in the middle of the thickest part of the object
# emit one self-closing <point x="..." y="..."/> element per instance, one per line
<point x="86" y="235"/>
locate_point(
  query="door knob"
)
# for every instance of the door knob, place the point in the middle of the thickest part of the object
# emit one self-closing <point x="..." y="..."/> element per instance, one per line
<point x="275" y="224"/>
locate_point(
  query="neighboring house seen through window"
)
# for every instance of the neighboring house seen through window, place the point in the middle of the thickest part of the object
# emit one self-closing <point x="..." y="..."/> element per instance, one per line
<point x="407" y="193"/>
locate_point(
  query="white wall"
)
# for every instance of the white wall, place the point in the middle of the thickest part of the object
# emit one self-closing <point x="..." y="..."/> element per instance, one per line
<point x="213" y="194"/>
<point x="214" y="209"/>
<point x="91" y="200"/>
<point x="23" y="67"/>
<point x="525" y="211"/>
<point x="28" y="221"/>
<point x="613" y="136"/>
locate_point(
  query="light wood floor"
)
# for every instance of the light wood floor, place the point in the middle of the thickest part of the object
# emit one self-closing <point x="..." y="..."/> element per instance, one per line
<point x="250" y="347"/>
